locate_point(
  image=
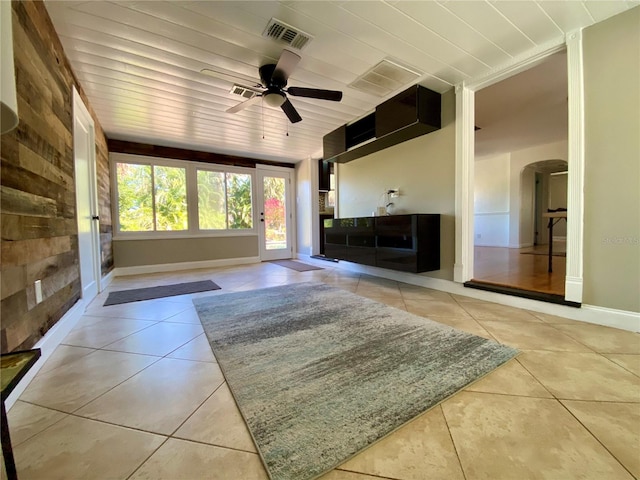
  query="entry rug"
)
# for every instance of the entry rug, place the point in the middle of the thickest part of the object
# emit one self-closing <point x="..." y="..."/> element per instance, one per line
<point x="297" y="266"/>
<point x="149" y="293"/>
<point x="319" y="373"/>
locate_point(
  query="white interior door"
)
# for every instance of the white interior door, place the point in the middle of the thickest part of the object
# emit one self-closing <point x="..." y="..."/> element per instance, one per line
<point x="84" y="153"/>
<point x="275" y="216"/>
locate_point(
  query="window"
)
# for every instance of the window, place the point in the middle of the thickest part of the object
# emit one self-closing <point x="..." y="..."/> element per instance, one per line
<point x="151" y="198"/>
<point x="135" y="206"/>
<point x="224" y="200"/>
<point x="159" y="196"/>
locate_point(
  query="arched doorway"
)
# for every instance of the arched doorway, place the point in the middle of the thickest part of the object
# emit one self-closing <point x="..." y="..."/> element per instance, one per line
<point x="543" y="187"/>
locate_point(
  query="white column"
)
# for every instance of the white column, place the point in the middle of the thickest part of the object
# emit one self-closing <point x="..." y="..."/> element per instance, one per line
<point x="575" y="179"/>
<point x="465" y="146"/>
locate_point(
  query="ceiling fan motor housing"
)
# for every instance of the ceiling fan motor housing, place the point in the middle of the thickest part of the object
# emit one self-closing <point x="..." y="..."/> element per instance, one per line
<point x="266" y="77"/>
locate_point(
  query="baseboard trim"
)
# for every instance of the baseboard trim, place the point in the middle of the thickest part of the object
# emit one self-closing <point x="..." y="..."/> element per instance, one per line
<point x="47" y="346"/>
<point x="586" y="313"/>
<point x="610" y="317"/>
<point x="573" y="289"/>
<point x="174" y="267"/>
<point x="107" y="279"/>
<point x="521" y="245"/>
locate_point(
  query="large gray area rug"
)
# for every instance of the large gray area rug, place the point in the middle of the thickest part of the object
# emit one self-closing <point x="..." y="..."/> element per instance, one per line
<point x="149" y="293"/>
<point x="319" y="373"/>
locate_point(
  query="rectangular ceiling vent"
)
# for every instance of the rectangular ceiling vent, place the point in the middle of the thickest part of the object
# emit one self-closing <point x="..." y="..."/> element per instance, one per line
<point x="280" y="31"/>
<point x="384" y="78"/>
<point x="243" y="91"/>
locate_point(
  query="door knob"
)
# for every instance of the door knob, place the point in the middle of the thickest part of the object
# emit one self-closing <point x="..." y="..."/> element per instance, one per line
<point x="95" y="217"/>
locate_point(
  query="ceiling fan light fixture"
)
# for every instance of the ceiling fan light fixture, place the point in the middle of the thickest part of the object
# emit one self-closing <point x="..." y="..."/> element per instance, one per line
<point x="274" y="99"/>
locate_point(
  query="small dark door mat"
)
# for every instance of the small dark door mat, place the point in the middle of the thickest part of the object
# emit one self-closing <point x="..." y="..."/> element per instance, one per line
<point x="149" y="293"/>
<point x="326" y="259"/>
<point x="518" y="292"/>
<point x="297" y="266"/>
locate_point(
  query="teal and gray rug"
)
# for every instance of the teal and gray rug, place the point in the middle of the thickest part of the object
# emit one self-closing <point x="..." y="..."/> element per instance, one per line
<point x="320" y="373"/>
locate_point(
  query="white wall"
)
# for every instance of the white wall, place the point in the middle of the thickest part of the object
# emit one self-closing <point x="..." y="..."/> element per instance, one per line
<point x="491" y="201"/>
<point x="504" y="195"/>
<point x="306" y="206"/>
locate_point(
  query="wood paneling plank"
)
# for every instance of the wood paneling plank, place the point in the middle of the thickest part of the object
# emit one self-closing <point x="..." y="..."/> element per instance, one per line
<point x="20" y="227"/>
<point x="22" y="203"/>
<point x="24" y="252"/>
<point x="12" y="280"/>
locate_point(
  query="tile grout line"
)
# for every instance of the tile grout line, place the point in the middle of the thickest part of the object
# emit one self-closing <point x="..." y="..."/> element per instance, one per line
<point x="455" y="447"/>
<point x="535" y="378"/>
<point x="224" y="380"/>
<point x="595" y="437"/>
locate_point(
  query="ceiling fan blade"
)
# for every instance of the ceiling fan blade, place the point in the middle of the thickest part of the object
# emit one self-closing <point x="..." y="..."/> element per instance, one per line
<point x="290" y="111"/>
<point x="229" y="77"/>
<point x="242" y="105"/>
<point x="333" y="95"/>
<point x="285" y="67"/>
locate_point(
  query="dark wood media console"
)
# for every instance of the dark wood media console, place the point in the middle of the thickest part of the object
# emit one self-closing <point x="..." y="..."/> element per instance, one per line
<point x="410" y="243"/>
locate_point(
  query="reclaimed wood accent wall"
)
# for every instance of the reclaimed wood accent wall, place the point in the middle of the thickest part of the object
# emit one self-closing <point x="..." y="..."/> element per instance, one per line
<point x="38" y="206"/>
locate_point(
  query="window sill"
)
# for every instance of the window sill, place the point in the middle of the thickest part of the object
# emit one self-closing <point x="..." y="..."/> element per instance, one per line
<point x="168" y="236"/>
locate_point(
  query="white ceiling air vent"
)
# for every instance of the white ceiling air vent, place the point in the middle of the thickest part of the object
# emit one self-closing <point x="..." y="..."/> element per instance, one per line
<point x="243" y="91"/>
<point x="280" y="31"/>
<point x="386" y="77"/>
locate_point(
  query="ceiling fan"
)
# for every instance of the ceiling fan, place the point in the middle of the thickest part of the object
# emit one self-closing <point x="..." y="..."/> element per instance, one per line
<point x="273" y="80"/>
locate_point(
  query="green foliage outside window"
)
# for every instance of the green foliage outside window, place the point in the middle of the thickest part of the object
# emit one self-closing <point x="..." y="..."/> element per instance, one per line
<point x="135" y="202"/>
<point x="212" y="205"/>
<point x="224" y="199"/>
<point x="239" y="211"/>
<point x="171" y="198"/>
<point x="274" y="212"/>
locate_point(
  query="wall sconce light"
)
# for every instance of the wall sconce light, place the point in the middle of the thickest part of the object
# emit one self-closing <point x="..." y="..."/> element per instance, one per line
<point x="8" y="96"/>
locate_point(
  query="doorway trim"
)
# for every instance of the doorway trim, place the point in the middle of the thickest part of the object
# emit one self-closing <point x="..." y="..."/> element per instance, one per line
<point x="290" y="194"/>
<point x="81" y="115"/>
<point x="465" y="157"/>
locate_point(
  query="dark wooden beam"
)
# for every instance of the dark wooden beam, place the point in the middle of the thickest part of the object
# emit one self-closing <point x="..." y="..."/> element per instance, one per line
<point x="135" y="148"/>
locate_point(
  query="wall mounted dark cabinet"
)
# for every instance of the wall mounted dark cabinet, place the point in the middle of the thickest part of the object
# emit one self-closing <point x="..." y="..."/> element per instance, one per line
<point x="416" y="106"/>
<point x="360" y="131"/>
<point x="410" y="243"/>
<point x="335" y="143"/>
<point x="414" y="112"/>
<point x="324" y="175"/>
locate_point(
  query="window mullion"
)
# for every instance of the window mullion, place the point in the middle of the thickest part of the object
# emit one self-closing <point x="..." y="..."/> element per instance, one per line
<point x="153" y="197"/>
<point x="192" y="199"/>
<point x="226" y="202"/>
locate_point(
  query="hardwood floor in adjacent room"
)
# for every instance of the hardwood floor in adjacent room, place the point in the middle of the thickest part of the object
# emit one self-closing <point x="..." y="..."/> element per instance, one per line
<point x="527" y="271"/>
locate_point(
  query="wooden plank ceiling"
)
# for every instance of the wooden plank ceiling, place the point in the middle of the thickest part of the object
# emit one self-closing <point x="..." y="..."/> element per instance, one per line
<point x="140" y="61"/>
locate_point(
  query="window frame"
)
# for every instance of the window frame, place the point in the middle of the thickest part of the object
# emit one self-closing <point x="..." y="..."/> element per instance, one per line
<point x="191" y="168"/>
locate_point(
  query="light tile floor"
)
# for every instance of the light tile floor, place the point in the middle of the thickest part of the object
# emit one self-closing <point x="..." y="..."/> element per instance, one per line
<point x="134" y="392"/>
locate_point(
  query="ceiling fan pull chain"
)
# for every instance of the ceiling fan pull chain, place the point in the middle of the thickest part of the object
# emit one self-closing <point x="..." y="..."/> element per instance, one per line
<point x="262" y="105"/>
